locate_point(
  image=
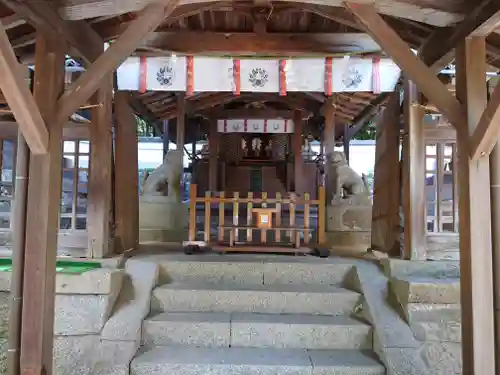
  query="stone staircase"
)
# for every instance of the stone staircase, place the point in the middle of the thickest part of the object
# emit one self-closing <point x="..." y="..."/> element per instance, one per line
<point x="428" y="294"/>
<point x="236" y="314"/>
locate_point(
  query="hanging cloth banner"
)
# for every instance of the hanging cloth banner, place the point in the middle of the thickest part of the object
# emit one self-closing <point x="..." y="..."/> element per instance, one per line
<point x="270" y="126"/>
<point x="221" y="74"/>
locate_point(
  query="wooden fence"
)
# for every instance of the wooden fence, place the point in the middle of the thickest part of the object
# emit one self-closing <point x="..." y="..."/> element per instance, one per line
<point x="291" y="201"/>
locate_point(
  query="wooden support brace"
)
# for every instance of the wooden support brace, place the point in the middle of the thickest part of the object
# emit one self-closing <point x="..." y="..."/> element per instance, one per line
<point x="16" y="91"/>
<point x="424" y="77"/>
<point x="81" y="90"/>
<point x="486" y="135"/>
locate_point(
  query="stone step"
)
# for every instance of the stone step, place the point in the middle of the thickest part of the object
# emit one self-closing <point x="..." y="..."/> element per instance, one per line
<point x="414" y="289"/>
<point x="421" y="268"/>
<point x="293" y="331"/>
<point x="252" y="269"/>
<point x="432" y="312"/>
<point x="277" y="299"/>
<point x="211" y="361"/>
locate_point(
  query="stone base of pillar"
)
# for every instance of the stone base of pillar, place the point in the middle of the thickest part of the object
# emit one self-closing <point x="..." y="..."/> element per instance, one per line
<point x="347" y="217"/>
<point x="162" y="219"/>
<point x="350" y="241"/>
<point x="348" y="227"/>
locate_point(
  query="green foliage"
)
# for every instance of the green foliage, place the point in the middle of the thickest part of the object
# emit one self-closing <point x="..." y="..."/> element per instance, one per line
<point x="367" y="133"/>
<point x="144" y="128"/>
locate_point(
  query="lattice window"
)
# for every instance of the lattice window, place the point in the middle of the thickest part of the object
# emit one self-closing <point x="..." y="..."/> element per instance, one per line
<point x="8" y="150"/>
<point x="441" y="187"/>
<point x="75" y="173"/>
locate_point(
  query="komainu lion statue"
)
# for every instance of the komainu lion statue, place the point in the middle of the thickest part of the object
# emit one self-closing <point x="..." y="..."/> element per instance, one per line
<point x="165" y="180"/>
<point x="342" y="181"/>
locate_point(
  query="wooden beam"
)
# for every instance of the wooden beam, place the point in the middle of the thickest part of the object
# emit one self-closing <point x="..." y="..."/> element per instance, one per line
<point x="42" y="223"/>
<point x="414" y="193"/>
<point x="387" y="180"/>
<point x="242" y="113"/>
<point x="217" y="99"/>
<point x="420" y="11"/>
<point x="487" y="132"/>
<point x="81" y="90"/>
<point x="19" y="98"/>
<point x="476" y="264"/>
<point x="424" y="77"/>
<point x="71" y="131"/>
<point x="438" y="50"/>
<point x="126" y="176"/>
<point x="41" y="15"/>
<point x="12" y="21"/>
<point x="192" y="42"/>
<point x="100" y="181"/>
<point x="366" y="115"/>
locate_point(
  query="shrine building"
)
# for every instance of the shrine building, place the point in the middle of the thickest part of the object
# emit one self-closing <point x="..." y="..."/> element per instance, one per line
<point x="262" y="253"/>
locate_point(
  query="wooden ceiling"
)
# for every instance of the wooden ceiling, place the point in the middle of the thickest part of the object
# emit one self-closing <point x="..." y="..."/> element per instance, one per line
<point x="254" y="27"/>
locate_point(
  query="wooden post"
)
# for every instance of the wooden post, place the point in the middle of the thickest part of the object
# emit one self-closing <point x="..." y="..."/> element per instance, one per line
<point x="414" y="199"/>
<point x="166" y="138"/>
<point x="181" y="128"/>
<point x="101" y="150"/>
<point x="213" y="150"/>
<point x="386" y="181"/>
<point x="181" y="120"/>
<point x="42" y="222"/>
<point x="329" y="129"/>
<point x="347" y="142"/>
<point x="297" y="151"/>
<point x="495" y="236"/>
<point x="126" y="176"/>
<point x="476" y="265"/>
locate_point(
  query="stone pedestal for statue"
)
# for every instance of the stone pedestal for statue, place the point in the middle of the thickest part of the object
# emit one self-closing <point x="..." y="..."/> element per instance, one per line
<point x="162" y="219"/>
<point x="349" y="212"/>
<point x="162" y="215"/>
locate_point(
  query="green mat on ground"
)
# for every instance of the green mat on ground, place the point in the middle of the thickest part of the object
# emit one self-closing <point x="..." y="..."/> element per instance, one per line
<point x="62" y="266"/>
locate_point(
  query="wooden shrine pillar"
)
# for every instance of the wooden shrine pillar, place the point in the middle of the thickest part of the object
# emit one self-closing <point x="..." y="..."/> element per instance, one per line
<point x="298" y="164"/>
<point x="346" y="142"/>
<point x="414" y="193"/>
<point x="42" y="217"/>
<point x="181" y="120"/>
<point x="180" y="134"/>
<point x="387" y="180"/>
<point x="329" y="128"/>
<point x="126" y="176"/>
<point x="476" y="264"/>
<point x="213" y="153"/>
<point x="166" y="138"/>
<point x="99" y="211"/>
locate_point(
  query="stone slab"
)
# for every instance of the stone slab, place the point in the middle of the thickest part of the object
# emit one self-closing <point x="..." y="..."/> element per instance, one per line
<point x="412" y="289"/>
<point x="357" y="241"/>
<point x="449" y="331"/>
<point x="432" y="312"/>
<point x="173" y="236"/>
<point x="389" y="328"/>
<point x="188" y="328"/>
<point x="215" y="361"/>
<point x="420" y="268"/>
<point x="90" y="355"/>
<point x="244" y="361"/>
<point x="299" y="331"/>
<point x="249" y="271"/>
<point x="82" y="314"/>
<point x="97" y="281"/>
<point x="345" y="362"/>
<point x="157" y="212"/>
<point x="133" y="303"/>
<point x="312" y="299"/>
